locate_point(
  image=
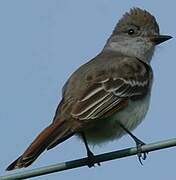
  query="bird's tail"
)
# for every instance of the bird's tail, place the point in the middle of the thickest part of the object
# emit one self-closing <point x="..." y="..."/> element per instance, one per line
<point x="54" y="134"/>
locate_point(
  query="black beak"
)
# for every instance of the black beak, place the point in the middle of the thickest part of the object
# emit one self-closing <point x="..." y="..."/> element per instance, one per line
<point x="157" y="39"/>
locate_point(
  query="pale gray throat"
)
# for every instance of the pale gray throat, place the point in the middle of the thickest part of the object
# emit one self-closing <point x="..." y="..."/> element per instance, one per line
<point x="138" y="47"/>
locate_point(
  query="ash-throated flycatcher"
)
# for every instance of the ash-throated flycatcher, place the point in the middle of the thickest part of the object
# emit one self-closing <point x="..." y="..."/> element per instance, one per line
<point x="108" y="96"/>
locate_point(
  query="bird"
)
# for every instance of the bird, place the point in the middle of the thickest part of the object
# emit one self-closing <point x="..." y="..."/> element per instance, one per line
<point x="108" y="96"/>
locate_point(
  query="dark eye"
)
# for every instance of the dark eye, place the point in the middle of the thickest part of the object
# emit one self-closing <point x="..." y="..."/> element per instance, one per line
<point x="131" y="31"/>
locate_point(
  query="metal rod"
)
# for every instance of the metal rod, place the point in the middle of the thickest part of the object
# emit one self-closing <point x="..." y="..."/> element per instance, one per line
<point x="84" y="161"/>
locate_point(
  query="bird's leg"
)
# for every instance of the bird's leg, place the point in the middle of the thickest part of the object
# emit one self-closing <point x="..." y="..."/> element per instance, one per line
<point x="138" y="142"/>
<point x="90" y="155"/>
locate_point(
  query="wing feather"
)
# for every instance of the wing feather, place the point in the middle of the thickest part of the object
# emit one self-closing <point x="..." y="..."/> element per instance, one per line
<point x="114" y="92"/>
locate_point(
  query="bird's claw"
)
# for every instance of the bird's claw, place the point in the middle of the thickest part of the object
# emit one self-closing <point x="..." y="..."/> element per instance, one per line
<point x="92" y="159"/>
<point x="141" y="155"/>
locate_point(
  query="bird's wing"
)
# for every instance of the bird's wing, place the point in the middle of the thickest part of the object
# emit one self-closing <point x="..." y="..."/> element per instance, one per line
<point x="111" y="94"/>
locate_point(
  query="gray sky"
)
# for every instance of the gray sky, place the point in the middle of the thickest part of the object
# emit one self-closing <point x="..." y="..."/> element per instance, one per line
<point x="41" y="43"/>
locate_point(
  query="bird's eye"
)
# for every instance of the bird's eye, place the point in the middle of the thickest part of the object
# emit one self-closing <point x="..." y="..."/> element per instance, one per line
<point x="131" y="31"/>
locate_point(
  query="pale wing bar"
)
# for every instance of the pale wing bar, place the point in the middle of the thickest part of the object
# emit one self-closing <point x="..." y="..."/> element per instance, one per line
<point x="107" y="95"/>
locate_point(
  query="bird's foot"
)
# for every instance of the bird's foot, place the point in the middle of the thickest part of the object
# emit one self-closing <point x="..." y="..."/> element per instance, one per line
<point x="141" y="155"/>
<point x="91" y="160"/>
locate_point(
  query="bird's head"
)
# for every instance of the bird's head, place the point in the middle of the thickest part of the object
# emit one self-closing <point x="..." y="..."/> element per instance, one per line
<point x="136" y="34"/>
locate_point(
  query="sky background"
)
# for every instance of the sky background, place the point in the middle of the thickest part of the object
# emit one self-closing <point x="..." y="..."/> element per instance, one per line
<point x="41" y="43"/>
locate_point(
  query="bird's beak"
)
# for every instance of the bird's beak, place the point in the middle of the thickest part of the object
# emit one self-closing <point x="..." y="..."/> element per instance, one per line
<point x="157" y="39"/>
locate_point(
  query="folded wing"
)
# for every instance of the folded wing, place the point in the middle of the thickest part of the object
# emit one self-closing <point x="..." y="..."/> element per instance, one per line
<point x="110" y="94"/>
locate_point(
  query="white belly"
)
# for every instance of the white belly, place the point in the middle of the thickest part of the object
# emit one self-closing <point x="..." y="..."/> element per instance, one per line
<point x="108" y="129"/>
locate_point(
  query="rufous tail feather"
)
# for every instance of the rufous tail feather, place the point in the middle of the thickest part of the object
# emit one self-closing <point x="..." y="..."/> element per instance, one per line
<point x="54" y="134"/>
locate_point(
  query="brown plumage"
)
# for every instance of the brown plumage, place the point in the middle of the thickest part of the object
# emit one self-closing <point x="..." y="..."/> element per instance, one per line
<point x="111" y="89"/>
<point x="139" y="18"/>
<point x="45" y="140"/>
<point x="68" y="119"/>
